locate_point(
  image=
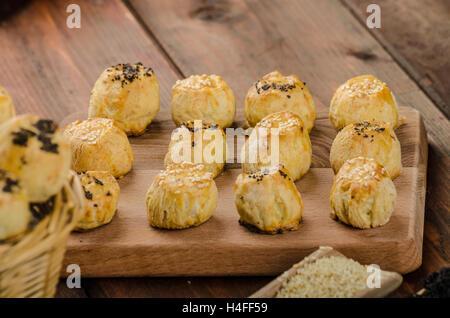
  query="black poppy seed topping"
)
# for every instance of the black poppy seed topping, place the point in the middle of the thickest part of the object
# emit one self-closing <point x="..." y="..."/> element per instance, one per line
<point x="364" y="127"/>
<point x="87" y="194"/>
<point x="9" y="184"/>
<point x="262" y="85"/>
<point x="98" y="181"/>
<point x="437" y="285"/>
<point x="108" y="194"/>
<point x="47" y="144"/>
<point x="21" y="137"/>
<point x="284" y="175"/>
<point x="129" y="72"/>
<point x="46" y="126"/>
<point x="189" y="126"/>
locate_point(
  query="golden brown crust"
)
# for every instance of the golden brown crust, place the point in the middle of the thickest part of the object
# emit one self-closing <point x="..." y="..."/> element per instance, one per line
<point x="363" y="195"/>
<point x="268" y="200"/>
<point x="127" y="93"/>
<point x="294" y="145"/>
<point x="14" y="212"/>
<point x="370" y="139"/>
<point x="209" y="133"/>
<point x="274" y="93"/>
<point x="7" y="110"/>
<point x="101" y="193"/>
<point x="363" y="98"/>
<point x="36" y="151"/>
<point x="203" y="97"/>
<point x="97" y="144"/>
<point x="182" y="196"/>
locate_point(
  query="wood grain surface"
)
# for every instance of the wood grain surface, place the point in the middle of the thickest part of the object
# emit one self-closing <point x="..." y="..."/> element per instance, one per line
<point x="50" y="69"/>
<point x="420" y="41"/>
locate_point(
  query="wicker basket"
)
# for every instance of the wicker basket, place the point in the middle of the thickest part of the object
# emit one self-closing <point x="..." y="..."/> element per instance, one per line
<point x="30" y="266"/>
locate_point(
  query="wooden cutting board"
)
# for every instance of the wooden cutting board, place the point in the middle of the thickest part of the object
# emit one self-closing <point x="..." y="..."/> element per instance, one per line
<point x="128" y="246"/>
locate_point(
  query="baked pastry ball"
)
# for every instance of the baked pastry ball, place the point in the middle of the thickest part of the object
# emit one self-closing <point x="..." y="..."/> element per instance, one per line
<point x="206" y="139"/>
<point x="369" y="139"/>
<point x="276" y="92"/>
<point x="35" y="151"/>
<point x="268" y="201"/>
<point x="181" y="196"/>
<point x="294" y="146"/>
<point x="6" y="106"/>
<point x="14" y="212"/>
<point x="101" y="192"/>
<point x="98" y="144"/>
<point x="363" y="98"/>
<point x="363" y="195"/>
<point x="127" y="93"/>
<point x="203" y="97"/>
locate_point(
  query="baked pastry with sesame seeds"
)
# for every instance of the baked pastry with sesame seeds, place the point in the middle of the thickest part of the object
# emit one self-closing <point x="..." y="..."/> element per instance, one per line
<point x="363" y="98"/>
<point x="127" y="93"/>
<point x="6" y="106"/>
<point x="363" y="195"/>
<point x="275" y="92"/>
<point x="285" y="130"/>
<point x="204" y="142"/>
<point x="182" y="196"/>
<point x="369" y="139"/>
<point x="203" y="97"/>
<point x="101" y="192"/>
<point x="99" y="144"/>
<point x="268" y="201"/>
<point x="37" y="153"/>
<point x="14" y="212"/>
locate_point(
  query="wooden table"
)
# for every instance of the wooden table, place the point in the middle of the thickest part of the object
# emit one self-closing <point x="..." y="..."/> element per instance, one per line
<point x="49" y="69"/>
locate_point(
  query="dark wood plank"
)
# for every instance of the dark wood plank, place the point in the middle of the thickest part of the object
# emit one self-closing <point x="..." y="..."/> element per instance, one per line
<point x="416" y="33"/>
<point x="320" y="41"/>
<point x="62" y="291"/>
<point x="175" y="287"/>
<point x="51" y="69"/>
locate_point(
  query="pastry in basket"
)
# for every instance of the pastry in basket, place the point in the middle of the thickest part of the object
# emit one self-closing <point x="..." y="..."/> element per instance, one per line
<point x="371" y="139"/>
<point x="268" y="201"/>
<point x="99" y="144"/>
<point x="14" y="211"/>
<point x="181" y="196"/>
<point x="203" y="97"/>
<point x="280" y="138"/>
<point x="363" y="98"/>
<point x="363" y="195"/>
<point x="37" y="152"/>
<point x="6" y="106"/>
<point x="127" y="93"/>
<point x="101" y="192"/>
<point x="204" y="142"/>
<point x="276" y="92"/>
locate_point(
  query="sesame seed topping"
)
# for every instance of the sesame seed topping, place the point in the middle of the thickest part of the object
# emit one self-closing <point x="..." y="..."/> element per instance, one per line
<point x="196" y="82"/>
